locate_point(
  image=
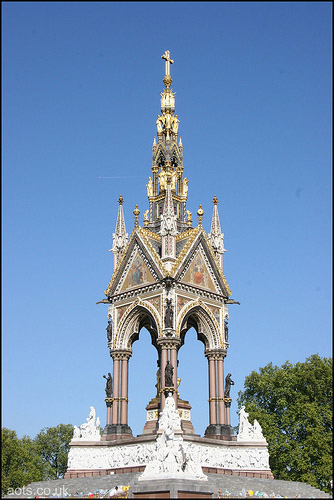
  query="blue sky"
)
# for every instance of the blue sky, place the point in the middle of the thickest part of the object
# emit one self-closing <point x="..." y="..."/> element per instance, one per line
<point x="81" y="93"/>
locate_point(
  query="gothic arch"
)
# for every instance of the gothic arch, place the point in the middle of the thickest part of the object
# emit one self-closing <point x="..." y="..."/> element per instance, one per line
<point x="140" y="315"/>
<point x="198" y="316"/>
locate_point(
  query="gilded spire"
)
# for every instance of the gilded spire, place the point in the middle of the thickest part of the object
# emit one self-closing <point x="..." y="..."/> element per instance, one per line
<point x="120" y="236"/>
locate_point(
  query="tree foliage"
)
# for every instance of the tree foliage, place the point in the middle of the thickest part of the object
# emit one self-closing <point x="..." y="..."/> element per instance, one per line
<point x="293" y="404"/>
<point x="52" y="445"/>
<point x="26" y="460"/>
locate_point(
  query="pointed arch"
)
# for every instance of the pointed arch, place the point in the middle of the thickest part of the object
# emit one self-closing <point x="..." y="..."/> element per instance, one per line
<point x="140" y="315"/>
<point x="198" y="315"/>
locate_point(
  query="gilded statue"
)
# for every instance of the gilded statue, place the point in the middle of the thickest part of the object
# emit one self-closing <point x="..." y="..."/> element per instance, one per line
<point x="185" y="187"/>
<point x="149" y="186"/>
<point x="163" y="180"/>
<point x="175" y="124"/>
<point x="173" y="180"/>
<point x="160" y="123"/>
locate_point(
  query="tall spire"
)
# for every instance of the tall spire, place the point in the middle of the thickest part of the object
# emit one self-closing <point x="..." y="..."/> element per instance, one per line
<point x="120" y="236"/>
<point x="167" y="162"/>
<point x="168" y="229"/>
<point x="216" y="237"/>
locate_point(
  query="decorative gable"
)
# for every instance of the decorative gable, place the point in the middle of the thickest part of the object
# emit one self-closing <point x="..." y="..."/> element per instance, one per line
<point x="198" y="273"/>
<point x="138" y="273"/>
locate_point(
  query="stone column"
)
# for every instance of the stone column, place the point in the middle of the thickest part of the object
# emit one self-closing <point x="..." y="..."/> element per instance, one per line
<point x="228" y="402"/>
<point x="108" y="403"/>
<point x="124" y="388"/>
<point x="217" y="427"/>
<point x="118" y="427"/>
<point x="212" y="391"/>
<point x="115" y="391"/>
<point x="221" y="406"/>
<point x="169" y="347"/>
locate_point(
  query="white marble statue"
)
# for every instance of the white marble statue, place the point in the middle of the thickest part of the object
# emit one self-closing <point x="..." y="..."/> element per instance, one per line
<point x="90" y="430"/>
<point x="171" y="459"/>
<point x="247" y="431"/>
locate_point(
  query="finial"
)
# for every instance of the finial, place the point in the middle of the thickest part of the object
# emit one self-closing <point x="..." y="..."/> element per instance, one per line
<point x="120" y="199"/>
<point x="200" y="213"/>
<point x="189" y="218"/>
<point x="146" y="220"/>
<point x="136" y="213"/>
<point x="215" y="200"/>
<point x="180" y="143"/>
<point x="167" y="80"/>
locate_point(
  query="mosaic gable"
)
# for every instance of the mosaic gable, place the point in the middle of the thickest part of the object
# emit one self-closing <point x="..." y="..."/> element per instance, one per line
<point x="138" y="274"/>
<point x="198" y="274"/>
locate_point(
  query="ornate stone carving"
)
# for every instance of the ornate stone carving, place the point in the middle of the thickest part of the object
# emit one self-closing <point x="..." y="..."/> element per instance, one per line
<point x="170" y="458"/>
<point x="90" y="430"/>
<point x="247" y="431"/>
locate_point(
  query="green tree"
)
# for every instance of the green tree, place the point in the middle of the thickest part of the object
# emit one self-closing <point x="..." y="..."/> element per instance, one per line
<point x="20" y="463"/>
<point x="52" y="445"/>
<point x="293" y="404"/>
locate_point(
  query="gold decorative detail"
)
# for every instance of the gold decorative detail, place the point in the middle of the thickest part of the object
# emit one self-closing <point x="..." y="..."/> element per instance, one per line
<point x="149" y="186"/>
<point x="146" y="221"/>
<point x="168" y="61"/>
<point x="185" y="186"/>
<point x="136" y="213"/>
<point x="215" y="200"/>
<point x="200" y="213"/>
<point x="120" y="199"/>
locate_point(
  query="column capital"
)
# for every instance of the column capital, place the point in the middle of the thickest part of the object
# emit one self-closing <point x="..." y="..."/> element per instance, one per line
<point x="120" y="354"/>
<point x="169" y="342"/>
<point x="215" y="353"/>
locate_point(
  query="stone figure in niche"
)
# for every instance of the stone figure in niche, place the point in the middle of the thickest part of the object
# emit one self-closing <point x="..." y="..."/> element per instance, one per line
<point x="226" y="331"/>
<point x="169" y="369"/>
<point x="169" y="314"/>
<point x="109" y="330"/>
<point x="228" y="383"/>
<point x="108" y="388"/>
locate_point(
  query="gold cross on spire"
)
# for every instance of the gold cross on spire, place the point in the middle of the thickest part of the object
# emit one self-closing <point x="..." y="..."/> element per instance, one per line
<point x="168" y="61"/>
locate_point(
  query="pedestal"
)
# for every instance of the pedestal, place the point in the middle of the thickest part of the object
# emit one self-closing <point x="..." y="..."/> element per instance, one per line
<point x="116" y="432"/>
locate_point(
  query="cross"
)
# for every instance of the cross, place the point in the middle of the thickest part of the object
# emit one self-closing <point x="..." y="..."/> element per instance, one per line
<point x="168" y="60"/>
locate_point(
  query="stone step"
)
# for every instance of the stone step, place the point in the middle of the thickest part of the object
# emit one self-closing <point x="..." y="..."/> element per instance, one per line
<point x="235" y="485"/>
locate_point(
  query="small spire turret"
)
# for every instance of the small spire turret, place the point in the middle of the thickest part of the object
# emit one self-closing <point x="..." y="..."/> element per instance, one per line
<point x="120" y="236"/>
<point x="216" y="237"/>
